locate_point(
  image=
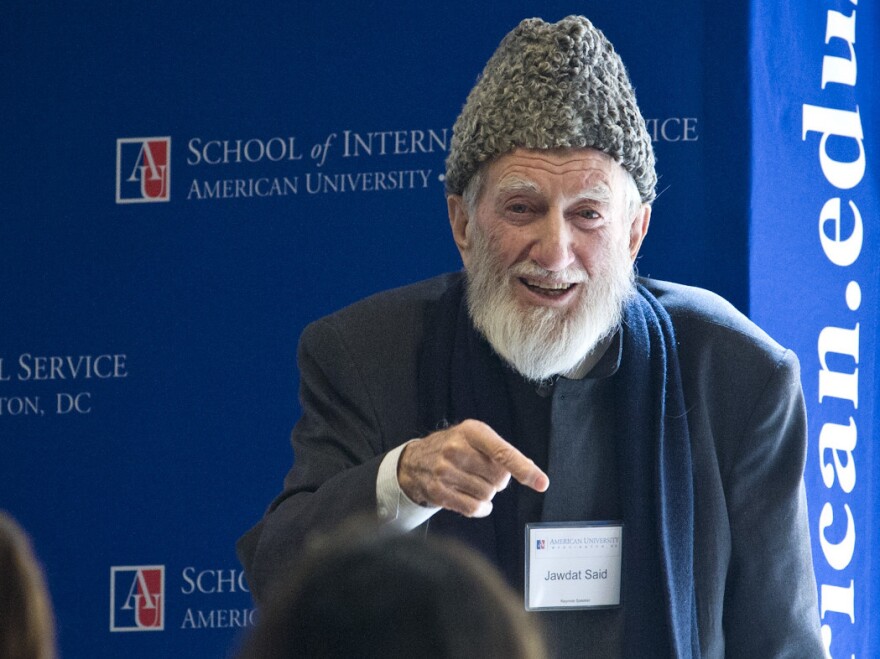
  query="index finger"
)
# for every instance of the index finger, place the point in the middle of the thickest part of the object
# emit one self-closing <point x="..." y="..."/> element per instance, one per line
<point x="506" y="455"/>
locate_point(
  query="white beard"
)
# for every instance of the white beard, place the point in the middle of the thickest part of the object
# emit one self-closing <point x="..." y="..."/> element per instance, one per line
<point x="541" y="342"/>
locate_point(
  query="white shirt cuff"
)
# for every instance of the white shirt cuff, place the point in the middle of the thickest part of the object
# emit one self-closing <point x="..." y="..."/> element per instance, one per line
<point x="393" y="506"/>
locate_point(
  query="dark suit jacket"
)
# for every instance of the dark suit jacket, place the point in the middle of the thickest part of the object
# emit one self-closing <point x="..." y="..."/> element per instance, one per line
<point x="755" y="588"/>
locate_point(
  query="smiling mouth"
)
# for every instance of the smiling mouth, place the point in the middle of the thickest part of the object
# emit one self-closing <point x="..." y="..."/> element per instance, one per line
<point x="548" y="289"/>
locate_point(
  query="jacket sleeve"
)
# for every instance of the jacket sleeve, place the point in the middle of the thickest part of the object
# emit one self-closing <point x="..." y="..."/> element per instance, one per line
<point x="770" y="607"/>
<point x="337" y="451"/>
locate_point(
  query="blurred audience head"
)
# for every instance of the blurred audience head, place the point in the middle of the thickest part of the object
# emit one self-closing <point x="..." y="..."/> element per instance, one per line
<point x="27" y="628"/>
<point x="359" y="592"/>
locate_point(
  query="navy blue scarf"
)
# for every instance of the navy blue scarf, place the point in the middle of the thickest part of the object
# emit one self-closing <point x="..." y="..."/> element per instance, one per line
<point x="461" y="377"/>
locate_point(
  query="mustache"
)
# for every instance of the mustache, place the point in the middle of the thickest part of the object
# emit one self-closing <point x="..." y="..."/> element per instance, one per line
<point x="529" y="269"/>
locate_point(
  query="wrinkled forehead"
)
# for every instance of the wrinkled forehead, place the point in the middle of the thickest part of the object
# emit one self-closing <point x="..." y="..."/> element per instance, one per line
<point x="567" y="171"/>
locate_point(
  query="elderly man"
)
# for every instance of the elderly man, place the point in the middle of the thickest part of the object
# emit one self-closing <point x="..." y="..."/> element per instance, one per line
<point x="546" y="388"/>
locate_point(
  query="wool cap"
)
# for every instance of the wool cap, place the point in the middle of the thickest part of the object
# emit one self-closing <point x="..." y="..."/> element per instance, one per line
<point x="551" y="86"/>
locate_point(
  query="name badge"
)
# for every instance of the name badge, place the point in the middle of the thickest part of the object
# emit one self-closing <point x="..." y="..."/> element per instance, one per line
<point x="574" y="565"/>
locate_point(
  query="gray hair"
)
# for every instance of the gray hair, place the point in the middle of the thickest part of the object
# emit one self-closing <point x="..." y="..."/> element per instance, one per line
<point x="551" y="86"/>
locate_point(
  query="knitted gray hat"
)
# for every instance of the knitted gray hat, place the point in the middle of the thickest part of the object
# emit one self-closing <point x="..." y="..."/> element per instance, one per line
<point x="550" y="86"/>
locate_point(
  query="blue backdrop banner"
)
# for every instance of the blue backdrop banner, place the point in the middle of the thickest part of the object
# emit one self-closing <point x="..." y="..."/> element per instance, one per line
<point x="815" y="275"/>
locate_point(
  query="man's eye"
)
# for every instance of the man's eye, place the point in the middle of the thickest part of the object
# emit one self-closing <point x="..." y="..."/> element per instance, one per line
<point x="589" y="214"/>
<point x="518" y="208"/>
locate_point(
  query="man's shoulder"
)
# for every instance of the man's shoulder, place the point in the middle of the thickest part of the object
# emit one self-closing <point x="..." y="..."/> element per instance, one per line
<point x="396" y="316"/>
<point x="411" y="298"/>
<point x="699" y="315"/>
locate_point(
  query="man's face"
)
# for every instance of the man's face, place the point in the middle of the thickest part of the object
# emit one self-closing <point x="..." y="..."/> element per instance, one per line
<point x="548" y="248"/>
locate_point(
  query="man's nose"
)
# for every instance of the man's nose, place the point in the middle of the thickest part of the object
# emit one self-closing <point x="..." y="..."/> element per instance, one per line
<point x="552" y="246"/>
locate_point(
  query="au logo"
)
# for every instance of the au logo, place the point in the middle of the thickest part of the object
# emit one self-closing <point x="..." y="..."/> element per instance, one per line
<point x="143" y="169"/>
<point x="137" y="598"/>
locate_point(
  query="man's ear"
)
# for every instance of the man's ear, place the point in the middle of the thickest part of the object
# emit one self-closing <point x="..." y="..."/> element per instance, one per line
<point x="639" y="229"/>
<point x="458" y="221"/>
